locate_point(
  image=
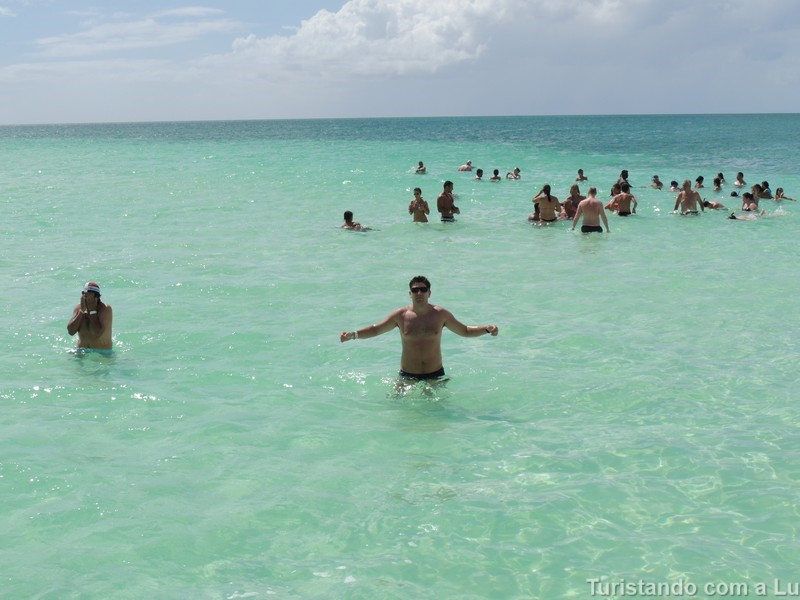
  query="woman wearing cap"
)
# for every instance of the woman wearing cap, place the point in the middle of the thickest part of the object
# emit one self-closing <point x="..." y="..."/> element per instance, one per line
<point x="91" y="320"/>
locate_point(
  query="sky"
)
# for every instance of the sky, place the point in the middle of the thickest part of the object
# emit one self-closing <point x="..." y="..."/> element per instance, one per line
<point x="77" y="61"/>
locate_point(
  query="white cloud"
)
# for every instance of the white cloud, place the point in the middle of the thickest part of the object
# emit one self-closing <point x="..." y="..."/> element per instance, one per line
<point x="157" y="30"/>
<point x="107" y="71"/>
<point x="368" y="37"/>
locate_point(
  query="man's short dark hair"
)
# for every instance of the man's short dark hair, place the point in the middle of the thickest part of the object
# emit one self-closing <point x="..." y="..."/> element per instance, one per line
<point x="419" y="279"/>
<point x="348" y="215"/>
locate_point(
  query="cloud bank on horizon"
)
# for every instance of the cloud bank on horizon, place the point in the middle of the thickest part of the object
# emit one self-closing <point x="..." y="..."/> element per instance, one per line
<point x="403" y="58"/>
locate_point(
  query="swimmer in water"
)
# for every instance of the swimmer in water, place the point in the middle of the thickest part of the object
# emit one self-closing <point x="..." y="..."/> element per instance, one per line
<point x="350" y="224"/>
<point x="591" y="211"/>
<point x="420" y="324"/>
<point x="445" y="203"/>
<point x="688" y="200"/>
<point x="419" y="207"/>
<point x="713" y="205"/>
<point x="733" y="217"/>
<point x="92" y="320"/>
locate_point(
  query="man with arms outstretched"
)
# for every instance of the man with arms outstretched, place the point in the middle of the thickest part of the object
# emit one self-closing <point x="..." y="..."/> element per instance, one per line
<point x="420" y="324"/>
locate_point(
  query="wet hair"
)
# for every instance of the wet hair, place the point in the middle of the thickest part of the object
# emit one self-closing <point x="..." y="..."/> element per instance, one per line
<point x="479" y="172"/>
<point x="348" y="216"/>
<point x="706" y="203"/>
<point x="717" y="181"/>
<point x="546" y="190"/>
<point x="673" y="183"/>
<point x="734" y="195"/>
<point x="625" y="187"/>
<point x="765" y="184"/>
<point x="419" y="279"/>
<point x="418" y="190"/>
<point x="446" y="183"/>
<point x="700" y="179"/>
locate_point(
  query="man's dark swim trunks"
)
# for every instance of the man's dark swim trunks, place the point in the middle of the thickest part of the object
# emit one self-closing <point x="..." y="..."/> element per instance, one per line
<point x="591" y="229"/>
<point x="624" y="214"/>
<point x="448" y="219"/>
<point x="434" y="375"/>
<point x="549" y="220"/>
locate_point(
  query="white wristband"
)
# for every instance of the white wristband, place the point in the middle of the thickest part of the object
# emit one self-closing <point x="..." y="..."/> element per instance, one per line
<point x="355" y="335"/>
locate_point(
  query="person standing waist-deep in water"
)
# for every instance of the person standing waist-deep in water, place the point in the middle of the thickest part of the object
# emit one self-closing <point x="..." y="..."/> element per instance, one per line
<point x="419" y="207"/>
<point x="420" y="324"/>
<point x="445" y="203"/>
<point x="591" y="211"/>
<point x="91" y="319"/>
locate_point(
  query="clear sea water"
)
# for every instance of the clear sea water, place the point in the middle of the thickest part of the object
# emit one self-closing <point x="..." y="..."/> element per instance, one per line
<point x="636" y="420"/>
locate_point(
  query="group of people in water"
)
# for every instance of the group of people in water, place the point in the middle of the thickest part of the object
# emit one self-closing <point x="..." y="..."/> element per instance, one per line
<point x="420" y="323"/>
<point x="589" y="210"/>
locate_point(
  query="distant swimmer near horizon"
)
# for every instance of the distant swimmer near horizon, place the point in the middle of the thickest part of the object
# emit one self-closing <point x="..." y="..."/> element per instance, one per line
<point x="92" y="320"/>
<point x="467" y="166"/>
<point x="421" y="170"/>
<point x="420" y="324"/>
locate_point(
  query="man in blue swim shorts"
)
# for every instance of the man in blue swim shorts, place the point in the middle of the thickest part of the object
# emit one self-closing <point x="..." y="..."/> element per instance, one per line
<point x="445" y="203"/>
<point x="420" y="324"/>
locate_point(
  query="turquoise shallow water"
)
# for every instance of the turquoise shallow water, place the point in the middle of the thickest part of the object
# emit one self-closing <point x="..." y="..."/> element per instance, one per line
<point x="633" y="421"/>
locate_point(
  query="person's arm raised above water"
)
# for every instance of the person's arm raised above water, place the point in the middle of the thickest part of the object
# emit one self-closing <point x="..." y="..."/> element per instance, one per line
<point x="459" y="328"/>
<point x="384" y="326"/>
<point x="77" y="318"/>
